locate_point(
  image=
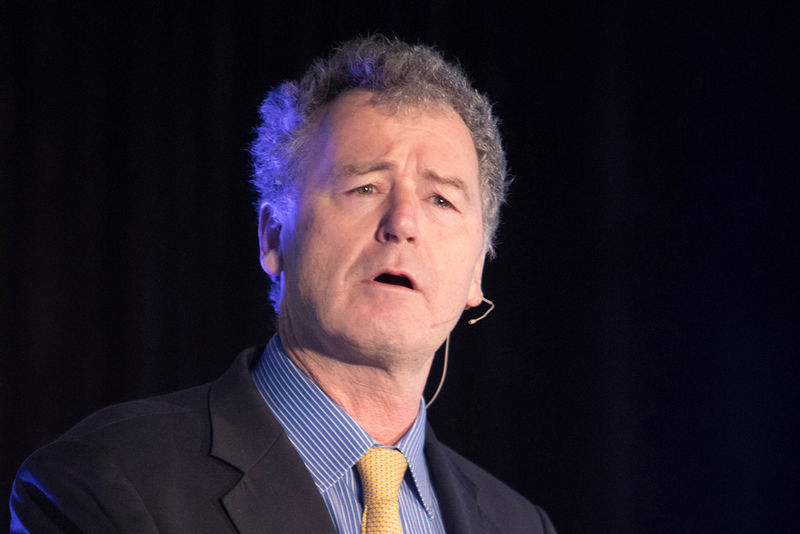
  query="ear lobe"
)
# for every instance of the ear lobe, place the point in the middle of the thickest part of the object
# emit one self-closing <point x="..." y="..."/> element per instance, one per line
<point x="475" y="295"/>
<point x="269" y="240"/>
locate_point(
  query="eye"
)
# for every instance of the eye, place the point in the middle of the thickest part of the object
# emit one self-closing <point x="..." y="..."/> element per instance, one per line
<point x="366" y="189"/>
<point x="441" y="202"/>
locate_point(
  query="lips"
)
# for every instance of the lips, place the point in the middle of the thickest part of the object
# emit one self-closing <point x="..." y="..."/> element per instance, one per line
<point x="395" y="280"/>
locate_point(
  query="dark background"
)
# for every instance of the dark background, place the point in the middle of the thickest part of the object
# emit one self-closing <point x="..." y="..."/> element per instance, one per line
<point x="640" y="371"/>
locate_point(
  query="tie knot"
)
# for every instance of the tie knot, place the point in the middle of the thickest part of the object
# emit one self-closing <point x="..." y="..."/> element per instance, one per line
<point x="381" y="473"/>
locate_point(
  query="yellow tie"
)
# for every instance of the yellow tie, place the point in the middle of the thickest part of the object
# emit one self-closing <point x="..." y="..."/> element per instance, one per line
<point x="381" y="473"/>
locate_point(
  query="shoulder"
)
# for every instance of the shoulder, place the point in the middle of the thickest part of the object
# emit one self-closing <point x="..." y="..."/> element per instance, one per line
<point x="164" y="421"/>
<point x="160" y="417"/>
<point x="164" y="432"/>
<point x="133" y="432"/>
<point x="98" y="475"/>
<point x="503" y="507"/>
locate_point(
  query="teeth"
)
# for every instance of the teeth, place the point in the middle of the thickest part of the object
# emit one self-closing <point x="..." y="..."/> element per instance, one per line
<point x="394" y="280"/>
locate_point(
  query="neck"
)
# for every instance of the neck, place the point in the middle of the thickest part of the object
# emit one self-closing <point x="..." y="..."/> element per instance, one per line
<point x="382" y="398"/>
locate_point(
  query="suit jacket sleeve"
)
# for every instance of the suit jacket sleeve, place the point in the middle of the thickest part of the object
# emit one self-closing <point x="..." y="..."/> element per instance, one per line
<point x="74" y="487"/>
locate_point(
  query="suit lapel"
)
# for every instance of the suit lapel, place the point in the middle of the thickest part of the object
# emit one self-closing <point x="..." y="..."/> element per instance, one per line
<point x="276" y="492"/>
<point x="454" y="490"/>
<point x="277" y="495"/>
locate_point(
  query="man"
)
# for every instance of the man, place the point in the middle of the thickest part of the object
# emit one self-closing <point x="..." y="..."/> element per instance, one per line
<point x="380" y="176"/>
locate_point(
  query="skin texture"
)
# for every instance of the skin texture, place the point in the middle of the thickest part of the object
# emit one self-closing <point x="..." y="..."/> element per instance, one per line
<point x="383" y="192"/>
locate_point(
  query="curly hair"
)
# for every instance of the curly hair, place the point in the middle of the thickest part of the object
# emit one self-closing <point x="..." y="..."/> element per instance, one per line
<point x="400" y="75"/>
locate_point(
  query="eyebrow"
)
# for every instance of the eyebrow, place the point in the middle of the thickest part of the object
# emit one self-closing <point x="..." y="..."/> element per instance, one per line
<point x="359" y="169"/>
<point x="450" y="181"/>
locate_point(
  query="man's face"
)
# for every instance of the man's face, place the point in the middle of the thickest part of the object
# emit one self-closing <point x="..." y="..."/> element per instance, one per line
<point x="386" y="249"/>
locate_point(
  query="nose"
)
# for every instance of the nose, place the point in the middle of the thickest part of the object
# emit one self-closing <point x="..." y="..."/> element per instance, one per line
<point x="399" y="223"/>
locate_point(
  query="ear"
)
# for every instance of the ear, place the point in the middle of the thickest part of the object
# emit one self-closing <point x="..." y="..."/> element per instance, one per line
<point x="269" y="240"/>
<point x="475" y="295"/>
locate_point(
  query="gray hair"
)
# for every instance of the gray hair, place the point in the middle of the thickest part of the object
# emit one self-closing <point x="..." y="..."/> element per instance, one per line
<point x="400" y="75"/>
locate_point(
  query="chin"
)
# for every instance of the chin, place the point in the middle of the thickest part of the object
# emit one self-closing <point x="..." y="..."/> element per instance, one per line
<point x="386" y="340"/>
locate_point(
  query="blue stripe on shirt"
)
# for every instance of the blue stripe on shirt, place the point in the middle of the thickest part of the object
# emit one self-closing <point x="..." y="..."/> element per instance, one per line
<point x="330" y="443"/>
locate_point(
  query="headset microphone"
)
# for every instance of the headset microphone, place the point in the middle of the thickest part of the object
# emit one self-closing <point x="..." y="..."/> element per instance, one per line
<point x="447" y="350"/>
<point x="487" y="312"/>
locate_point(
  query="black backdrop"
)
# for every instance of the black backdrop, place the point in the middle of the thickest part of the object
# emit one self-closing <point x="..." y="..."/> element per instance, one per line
<point x="640" y="371"/>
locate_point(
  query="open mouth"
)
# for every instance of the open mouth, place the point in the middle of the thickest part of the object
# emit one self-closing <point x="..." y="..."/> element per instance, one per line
<point x="395" y="280"/>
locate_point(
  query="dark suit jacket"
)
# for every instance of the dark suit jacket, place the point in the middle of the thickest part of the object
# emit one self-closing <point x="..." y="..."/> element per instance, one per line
<point x="214" y="459"/>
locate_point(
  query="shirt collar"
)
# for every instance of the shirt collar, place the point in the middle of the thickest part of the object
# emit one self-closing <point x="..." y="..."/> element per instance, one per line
<point x="329" y="441"/>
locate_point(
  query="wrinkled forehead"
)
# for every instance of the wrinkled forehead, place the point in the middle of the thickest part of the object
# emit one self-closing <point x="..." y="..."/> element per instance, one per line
<point x="360" y="128"/>
<point x="347" y="106"/>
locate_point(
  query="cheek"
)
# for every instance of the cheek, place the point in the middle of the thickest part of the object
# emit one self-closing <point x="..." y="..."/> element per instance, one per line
<point x="322" y="254"/>
<point x="457" y="270"/>
<point x="301" y="257"/>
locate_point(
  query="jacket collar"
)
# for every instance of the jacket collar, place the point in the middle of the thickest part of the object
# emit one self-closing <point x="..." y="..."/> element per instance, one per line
<point x="275" y="492"/>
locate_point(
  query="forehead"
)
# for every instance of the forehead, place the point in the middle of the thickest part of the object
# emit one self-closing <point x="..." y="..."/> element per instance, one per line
<point x="361" y="106"/>
<point x="359" y="128"/>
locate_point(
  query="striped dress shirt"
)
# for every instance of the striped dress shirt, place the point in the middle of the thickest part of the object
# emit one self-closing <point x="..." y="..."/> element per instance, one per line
<point x="330" y="443"/>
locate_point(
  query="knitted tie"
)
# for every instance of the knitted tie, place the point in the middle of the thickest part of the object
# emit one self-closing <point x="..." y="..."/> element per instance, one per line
<point x="381" y="473"/>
